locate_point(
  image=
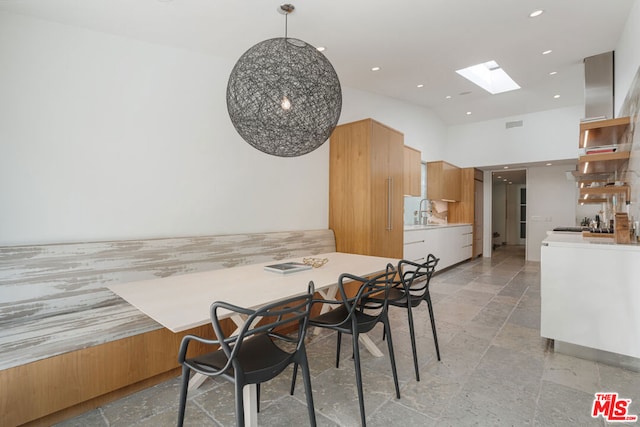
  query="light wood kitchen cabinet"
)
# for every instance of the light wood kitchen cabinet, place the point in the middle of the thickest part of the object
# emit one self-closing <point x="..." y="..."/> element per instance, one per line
<point x="468" y="209"/>
<point x="366" y="188"/>
<point x="443" y="181"/>
<point x="412" y="171"/>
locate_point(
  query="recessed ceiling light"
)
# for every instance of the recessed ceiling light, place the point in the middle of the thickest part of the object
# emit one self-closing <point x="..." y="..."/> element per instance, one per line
<point x="490" y="77"/>
<point x="553" y="73"/>
<point x="321" y="48"/>
<point x="546" y="52"/>
<point x="556" y="96"/>
<point x="504" y="180"/>
<point x="536" y="13"/>
<point x="468" y="113"/>
<point x="510" y="182"/>
<point x="506" y="167"/>
<point x="448" y="97"/>
<point x="420" y="85"/>
<point x="549" y="164"/>
<point x="375" y="69"/>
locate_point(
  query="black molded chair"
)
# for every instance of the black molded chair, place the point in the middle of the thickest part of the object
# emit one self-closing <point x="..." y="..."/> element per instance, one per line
<point x="357" y="315"/>
<point x="253" y="355"/>
<point x="410" y="291"/>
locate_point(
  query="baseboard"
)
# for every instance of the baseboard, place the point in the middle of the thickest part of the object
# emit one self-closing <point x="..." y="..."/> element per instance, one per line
<point x="606" y="357"/>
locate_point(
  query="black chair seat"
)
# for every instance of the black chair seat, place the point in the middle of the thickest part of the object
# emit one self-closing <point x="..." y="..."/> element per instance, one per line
<point x="271" y="361"/>
<point x="340" y="320"/>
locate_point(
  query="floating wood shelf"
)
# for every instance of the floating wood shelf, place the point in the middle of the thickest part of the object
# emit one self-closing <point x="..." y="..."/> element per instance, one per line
<point x="590" y="234"/>
<point x="602" y="163"/>
<point x="591" y="201"/>
<point x="605" y="190"/>
<point x="603" y="132"/>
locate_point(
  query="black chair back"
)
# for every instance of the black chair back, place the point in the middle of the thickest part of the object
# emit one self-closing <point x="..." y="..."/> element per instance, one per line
<point x="371" y="298"/>
<point x="265" y="320"/>
<point x="415" y="277"/>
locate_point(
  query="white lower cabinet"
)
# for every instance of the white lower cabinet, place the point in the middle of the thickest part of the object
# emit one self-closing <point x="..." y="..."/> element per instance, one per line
<point x="452" y="244"/>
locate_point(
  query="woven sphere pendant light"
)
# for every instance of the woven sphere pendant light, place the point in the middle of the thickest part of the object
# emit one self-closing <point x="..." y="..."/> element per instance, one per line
<point x="284" y="97"/>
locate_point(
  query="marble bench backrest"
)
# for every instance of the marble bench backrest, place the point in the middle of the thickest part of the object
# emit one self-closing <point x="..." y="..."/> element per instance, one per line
<point x="53" y="297"/>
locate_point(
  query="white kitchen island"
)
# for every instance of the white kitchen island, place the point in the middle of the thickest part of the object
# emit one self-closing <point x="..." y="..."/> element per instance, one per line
<point x="590" y="296"/>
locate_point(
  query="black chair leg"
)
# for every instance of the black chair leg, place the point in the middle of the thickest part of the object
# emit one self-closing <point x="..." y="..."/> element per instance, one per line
<point x="338" y="350"/>
<point x="183" y="394"/>
<point x="392" y="357"/>
<point x="293" y="379"/>
<point x="412" y="333"/>
<point x="239" y="403"/>
<point x="433" y="323"/>
<point x="356" y="359"/>
<point x="258" y="397"/>
<point x="306" y="375"/>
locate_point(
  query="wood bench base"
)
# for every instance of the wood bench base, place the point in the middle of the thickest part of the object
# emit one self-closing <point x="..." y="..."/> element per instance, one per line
<point x="57" y="388"/>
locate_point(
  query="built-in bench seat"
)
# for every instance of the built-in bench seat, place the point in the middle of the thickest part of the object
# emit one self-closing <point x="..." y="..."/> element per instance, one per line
<point x="53" y="299"/>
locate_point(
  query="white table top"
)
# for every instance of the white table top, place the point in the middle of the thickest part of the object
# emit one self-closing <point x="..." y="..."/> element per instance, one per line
<point x="182" y="302"/>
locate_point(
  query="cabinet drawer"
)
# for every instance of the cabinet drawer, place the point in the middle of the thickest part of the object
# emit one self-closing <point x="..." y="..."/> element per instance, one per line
<point x="467" y="239"/>
<point x="414" y="250"/>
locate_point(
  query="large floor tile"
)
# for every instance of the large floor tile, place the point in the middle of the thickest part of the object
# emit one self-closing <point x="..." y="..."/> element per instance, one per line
<point x="563" y="406"/>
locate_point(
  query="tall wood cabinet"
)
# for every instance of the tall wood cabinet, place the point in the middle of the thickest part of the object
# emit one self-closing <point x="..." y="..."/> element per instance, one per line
<point x="469" y="207"/>
<point x="366" y="188"/>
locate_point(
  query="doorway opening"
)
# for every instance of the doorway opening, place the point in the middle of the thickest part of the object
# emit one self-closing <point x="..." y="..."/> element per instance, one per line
<point x="509" y="210"/>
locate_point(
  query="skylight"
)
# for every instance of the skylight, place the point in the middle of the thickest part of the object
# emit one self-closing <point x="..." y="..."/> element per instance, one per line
<point x="490" y="77"/>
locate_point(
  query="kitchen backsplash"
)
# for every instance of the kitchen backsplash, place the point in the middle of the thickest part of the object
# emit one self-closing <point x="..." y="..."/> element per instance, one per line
<point x="437" y="210"/>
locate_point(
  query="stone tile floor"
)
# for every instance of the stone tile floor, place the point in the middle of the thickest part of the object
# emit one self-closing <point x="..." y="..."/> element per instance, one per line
<point x="496" y="370"/>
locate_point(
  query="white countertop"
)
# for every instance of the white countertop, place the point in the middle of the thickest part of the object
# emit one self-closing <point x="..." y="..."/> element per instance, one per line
<point x="431" y="226"/>
<point x="576" y="240"/>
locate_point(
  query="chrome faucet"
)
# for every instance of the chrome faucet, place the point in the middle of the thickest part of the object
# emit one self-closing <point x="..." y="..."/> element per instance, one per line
<point x="423" y="218"/>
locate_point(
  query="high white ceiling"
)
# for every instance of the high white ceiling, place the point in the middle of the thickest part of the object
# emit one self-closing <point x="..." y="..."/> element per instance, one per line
<point x="413" y="41"/>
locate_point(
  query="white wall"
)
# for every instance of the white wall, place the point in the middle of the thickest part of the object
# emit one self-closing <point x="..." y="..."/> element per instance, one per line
<point x="546" y="135"/>
<point x="422" y="129"/>
<point x="551" y="202"/>
<point x="627" y="56"/>
<point x="104" y="137"/>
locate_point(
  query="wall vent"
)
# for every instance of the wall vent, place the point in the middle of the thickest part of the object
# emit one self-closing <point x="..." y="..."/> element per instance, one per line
<point x="514" y="124"/>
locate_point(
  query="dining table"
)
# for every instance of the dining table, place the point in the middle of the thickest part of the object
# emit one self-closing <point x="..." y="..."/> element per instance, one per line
<point x="183" y="301"/>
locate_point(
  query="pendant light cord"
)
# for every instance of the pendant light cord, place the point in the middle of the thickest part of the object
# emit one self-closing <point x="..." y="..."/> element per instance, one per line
<point x="286" y="21"/>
